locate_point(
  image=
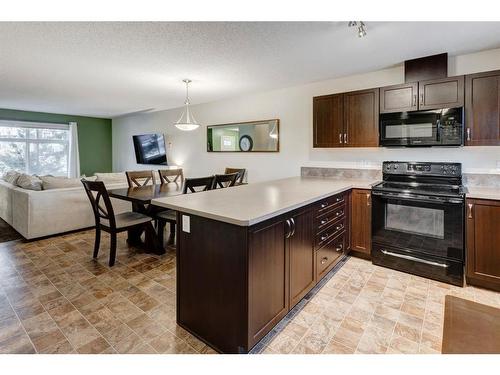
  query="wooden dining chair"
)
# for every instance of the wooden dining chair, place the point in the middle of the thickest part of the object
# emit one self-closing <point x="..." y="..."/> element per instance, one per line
<point x="241" y="173"/>
<point x="170" y="175"/>
<point x="198" y="184"/>
<point x="170" y="216"/>
<point x="225" y="180"/>
<point x="106" y="220"/>
<point x="140" y="178"/>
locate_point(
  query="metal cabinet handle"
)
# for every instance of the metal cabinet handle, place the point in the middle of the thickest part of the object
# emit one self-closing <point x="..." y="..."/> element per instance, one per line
<point x="368" y="199"/>
<point x="409" y="257"/>
<point x="324" y="221"/>
<point x="338" y="213"/>
<point x="293" y="227"/>
<point x="345" y="138"/>
<point x="470" y="205"/>
<point x="338" y="227"/>
<point x="324" y="205"/>
<point x="414" y="100"/>
<point x="468" y="134"/>
<point x="322" y="238"/>
<point x="422" y="97"/>
<point x="323" y="260"/>
<point x="339" y="248"/>
<point x="339" y="199"/>
<point x="340" y="138"/>
<point x="288" y="229"/>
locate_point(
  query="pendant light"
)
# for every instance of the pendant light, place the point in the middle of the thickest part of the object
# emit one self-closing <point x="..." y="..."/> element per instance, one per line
<point x="187" y="121"/>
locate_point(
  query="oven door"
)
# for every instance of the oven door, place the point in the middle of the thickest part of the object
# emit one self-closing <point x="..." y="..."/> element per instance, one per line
<point x="419" y="224"/>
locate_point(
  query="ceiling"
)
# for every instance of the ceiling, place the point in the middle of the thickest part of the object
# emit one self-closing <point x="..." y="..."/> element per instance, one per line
<point x="110" y="69"/>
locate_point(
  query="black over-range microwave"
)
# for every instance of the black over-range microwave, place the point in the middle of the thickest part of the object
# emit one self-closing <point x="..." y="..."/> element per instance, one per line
<point x="437" y="127"/>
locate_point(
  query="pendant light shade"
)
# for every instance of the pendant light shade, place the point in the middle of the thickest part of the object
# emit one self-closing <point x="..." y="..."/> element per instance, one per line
<point x="187" y="122"/>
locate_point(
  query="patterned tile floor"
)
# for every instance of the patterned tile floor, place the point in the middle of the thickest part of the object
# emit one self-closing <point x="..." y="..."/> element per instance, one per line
<point x="55" y="299"/>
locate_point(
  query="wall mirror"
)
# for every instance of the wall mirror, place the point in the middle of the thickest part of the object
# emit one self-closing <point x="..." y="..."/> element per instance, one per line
<point x="254" y="136"/>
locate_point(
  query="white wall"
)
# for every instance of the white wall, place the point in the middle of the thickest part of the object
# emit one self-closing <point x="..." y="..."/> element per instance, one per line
<point x="293" y="106"/>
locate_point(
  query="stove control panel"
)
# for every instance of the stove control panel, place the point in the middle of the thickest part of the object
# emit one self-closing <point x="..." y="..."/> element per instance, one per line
<point x="422" y="168"/>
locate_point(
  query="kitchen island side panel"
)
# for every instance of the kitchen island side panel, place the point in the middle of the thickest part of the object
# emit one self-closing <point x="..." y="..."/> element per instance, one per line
<point x="212" y="282"/>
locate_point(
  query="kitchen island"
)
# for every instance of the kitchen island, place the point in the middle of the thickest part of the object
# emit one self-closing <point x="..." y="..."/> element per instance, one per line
<point x="248" y="254"/>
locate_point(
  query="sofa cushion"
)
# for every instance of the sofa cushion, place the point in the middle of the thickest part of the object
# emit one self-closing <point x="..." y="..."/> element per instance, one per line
<point x="112" y="178"/>
<point x="49" y="182"/>
<point x="26" y="181"/>
<point x="11" y="177"/>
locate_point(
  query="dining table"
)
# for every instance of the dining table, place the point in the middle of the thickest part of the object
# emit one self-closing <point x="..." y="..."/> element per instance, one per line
<point x="140" y="197"/>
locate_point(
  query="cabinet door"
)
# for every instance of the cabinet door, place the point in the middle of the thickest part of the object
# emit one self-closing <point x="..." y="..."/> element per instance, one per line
<point x="441" y="93"/>
<point x="361" y="118"/>
<point x="482" y="108"/>
<point x="483" y="237"/>
<point x="268" y="279"/>
<point x="302" y="259"/>
<point x="399" y="98"/>
<point x="328" y="121"/>
<point x="361" y="220"/>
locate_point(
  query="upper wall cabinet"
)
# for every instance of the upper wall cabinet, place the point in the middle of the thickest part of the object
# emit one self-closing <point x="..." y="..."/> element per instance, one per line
<point x="361" y="118"/>
<point x="441" y="93"/>
<point x="482" y="108"/>
<point x="399" y="98"/>
<point x="346" y="120"/>
<point x="328" y="120"/>
<point x="431" y="94"/>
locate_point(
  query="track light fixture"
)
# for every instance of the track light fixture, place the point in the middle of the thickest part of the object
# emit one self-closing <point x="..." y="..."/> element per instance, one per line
<point x="361" y="27"/>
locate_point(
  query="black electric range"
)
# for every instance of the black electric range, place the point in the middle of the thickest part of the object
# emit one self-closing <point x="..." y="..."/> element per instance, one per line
<point x="418" y="220"/>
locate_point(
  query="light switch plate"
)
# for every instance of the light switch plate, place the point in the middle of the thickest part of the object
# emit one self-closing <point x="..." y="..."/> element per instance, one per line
<point x="186" y="224"/>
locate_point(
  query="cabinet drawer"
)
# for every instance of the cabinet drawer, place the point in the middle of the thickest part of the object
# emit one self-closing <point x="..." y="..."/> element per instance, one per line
<point x="329" y="203"/>
<point x="330" y="232"/>
<point x="327" y="218"/>
<point x="326" y="256"/>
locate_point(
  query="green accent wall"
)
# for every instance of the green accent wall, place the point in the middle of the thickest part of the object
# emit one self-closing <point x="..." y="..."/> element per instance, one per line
<point x="94" y="137"/>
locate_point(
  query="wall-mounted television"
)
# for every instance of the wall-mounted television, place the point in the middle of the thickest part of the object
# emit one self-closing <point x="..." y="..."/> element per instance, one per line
<point x="150" y="149"/>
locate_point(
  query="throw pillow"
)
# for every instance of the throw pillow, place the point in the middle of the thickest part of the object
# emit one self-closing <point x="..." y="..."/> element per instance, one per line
<point x="112" y="178"/>
<point x="26" y="181"/>
<point x="11" y="177"/>
<point x="49" y="182"/>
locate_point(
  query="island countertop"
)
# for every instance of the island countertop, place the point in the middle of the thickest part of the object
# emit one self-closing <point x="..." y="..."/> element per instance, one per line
<point x="250" y="204"/>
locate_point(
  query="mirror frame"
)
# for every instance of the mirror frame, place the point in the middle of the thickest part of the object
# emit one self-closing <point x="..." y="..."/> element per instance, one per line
<point x="248" y="122"/>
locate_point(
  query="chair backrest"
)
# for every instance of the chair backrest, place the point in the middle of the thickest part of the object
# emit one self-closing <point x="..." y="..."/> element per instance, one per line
<point x="241" y="173"/>
<point x="225" y="180"/>
<point x="140" y="178"/>
<point x="170" y="175"/>
<point x="100" y="211"/>
<point x="203" y="183"/>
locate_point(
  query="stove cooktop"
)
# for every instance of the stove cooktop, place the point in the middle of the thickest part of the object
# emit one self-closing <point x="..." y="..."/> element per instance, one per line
<point x="421" y="188"/>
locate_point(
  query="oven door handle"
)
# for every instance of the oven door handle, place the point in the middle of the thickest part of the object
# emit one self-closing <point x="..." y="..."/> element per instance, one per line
<point x="409" y="257"/>
<point x="418" y="197"/>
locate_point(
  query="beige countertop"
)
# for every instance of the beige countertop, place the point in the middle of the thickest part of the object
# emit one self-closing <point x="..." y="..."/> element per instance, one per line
<point x="250" y="204"/>
<point x="483" y="192"/>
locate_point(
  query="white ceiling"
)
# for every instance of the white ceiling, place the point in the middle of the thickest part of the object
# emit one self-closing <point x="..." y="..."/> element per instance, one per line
<point x="110" y="69"/>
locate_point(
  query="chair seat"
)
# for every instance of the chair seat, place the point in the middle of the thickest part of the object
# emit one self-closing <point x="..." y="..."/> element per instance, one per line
<point x="128" y="219"/>
<point x="169" y="215"/>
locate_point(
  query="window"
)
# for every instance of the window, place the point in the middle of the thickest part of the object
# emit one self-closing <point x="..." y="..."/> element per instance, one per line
<point x="34" y="148"/>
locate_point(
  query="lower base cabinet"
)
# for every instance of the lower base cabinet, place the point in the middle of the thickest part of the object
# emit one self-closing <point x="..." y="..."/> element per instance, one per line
<point x="361" y="218"/>
<point x="236" y="283"/>
<point x="483" y="243"/>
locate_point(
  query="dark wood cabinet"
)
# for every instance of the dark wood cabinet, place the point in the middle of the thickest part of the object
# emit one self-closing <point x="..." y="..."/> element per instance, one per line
<point x="483" y="239"/>
<point x="268" y="278"/>
<point x="441" y="93"/>
<point x="328" y="121"/>
<point x="346" y="120"/>
<point x="361" y="221"/>
<point x="422" y="95"/>
<point x="482" y="109"/>
<point x="361" y="110"/>
<point x="302" y="257"/>
<point x="399" y="98"/>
